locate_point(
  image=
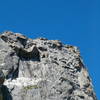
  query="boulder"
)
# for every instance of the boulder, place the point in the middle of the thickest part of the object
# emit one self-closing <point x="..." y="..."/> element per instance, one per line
<point x="42" y="69"/>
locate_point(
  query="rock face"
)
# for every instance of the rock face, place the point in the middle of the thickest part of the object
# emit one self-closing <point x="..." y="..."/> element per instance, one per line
<point x="41" y="69"/>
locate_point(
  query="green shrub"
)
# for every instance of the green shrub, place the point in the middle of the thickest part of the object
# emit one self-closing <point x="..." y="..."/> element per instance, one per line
<point x="31" y="87"/>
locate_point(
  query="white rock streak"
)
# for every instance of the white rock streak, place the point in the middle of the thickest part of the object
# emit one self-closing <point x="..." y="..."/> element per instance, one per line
<point x="22" y="81"/>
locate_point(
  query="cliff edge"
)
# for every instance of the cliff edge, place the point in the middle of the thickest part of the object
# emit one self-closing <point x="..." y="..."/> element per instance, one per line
<point x="41" y="69"/>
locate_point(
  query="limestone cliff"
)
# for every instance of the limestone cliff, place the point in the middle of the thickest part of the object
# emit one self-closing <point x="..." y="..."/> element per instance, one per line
<point x="41" y="69"/>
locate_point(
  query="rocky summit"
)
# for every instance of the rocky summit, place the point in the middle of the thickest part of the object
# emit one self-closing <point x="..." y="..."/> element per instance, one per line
<point x="41" y="69"/>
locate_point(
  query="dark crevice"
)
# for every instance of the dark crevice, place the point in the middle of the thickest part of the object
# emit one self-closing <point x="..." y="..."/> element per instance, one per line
<point x="4" y="38"/>
<point x="79" y="68"/>
<point x="4" y="93"/>
<point x="22" y="41"/>
<point x="42" y="48"/>
<point x="82" y="97"/>
<point x="25" y="55"/>
<point x="13" y="73"/>
<point x="67" y="67"/>
<point x="55" y="62"/>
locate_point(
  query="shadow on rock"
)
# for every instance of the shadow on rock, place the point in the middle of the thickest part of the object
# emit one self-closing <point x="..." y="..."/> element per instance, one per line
<point x="4" y="93"/>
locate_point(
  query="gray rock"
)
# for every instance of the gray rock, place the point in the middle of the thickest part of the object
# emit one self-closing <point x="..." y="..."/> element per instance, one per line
<point x="41" y="69"/>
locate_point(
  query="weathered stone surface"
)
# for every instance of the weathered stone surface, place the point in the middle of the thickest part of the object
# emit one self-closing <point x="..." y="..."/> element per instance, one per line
<point x="41" y="69"/>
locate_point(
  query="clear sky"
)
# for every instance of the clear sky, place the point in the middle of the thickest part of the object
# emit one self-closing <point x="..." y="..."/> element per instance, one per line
<point x="74" y="22"/>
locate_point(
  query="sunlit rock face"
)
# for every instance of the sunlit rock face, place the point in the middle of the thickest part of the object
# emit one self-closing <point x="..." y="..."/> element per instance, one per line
<point x="41" y="69"/>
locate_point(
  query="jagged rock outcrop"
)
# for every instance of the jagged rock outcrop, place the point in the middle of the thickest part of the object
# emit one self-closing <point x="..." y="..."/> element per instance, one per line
<point x="41" y="69"/>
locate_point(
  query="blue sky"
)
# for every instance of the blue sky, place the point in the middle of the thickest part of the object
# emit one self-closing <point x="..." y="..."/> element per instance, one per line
<point x="74" y="22"/>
